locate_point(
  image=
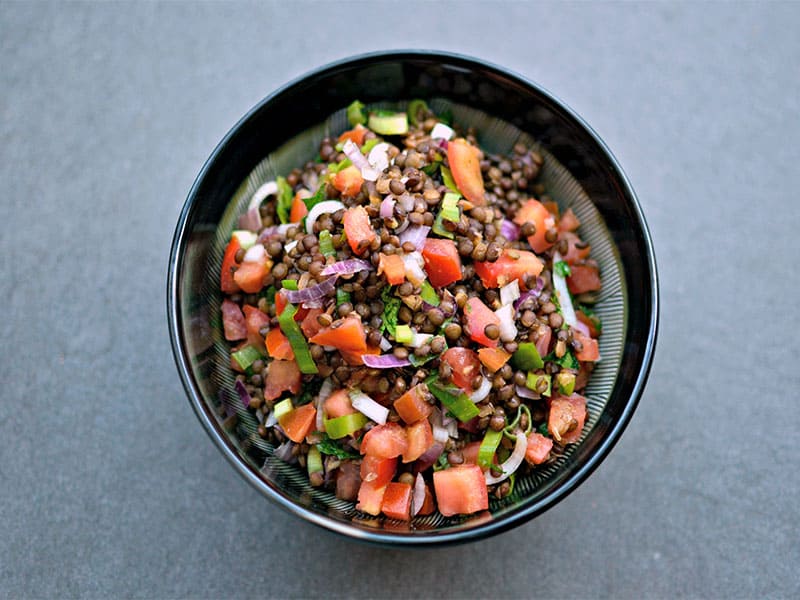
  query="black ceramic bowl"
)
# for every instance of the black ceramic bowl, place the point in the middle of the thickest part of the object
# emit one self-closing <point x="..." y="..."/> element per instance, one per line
<point x="283" y="131"/>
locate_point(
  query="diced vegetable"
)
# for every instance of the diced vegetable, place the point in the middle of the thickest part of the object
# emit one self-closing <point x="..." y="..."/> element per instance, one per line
<point x="442" y="262"/>
<point x="299" y="345"/>
<point x="379" y="471"/>
<point x="403" y="334"/>
<point x="370" y="497"/>
<point x="512" y="264"/>
<point x="299" y="209"/>
<point x="345" y="334"/>
<point x="388" y="123"/>
<point x="478" y="316"/>
<point x="539" y="447"/>
<point x="255" y="321"/>
<point x="326" y="243"/>
<point x="246" y="357"/>
<point x="314" y="460"/>
<point x="348" y="181"/>
<point x="466" y="168"/>
<point x="428" y="294"/>
<point x="355" y="135"/>
<point x="590" y="351"/>
<point x="535" y="212"/>
<point x="345" y="425"/>
<point x="456" y="401"/>
<point x="282" y="376"/>
<point x="278" y="346"/>
<point x="566" y="382"/>
<point x="417" y="109"/>
<point x="568" y="221"/>
<point x="338" y="405"/>
<point x="533" y="383"/>
<point x="527" y="358"/>
<point x="358" y="229"/>
<point x="385" y="441"/>
<point x="420" y="439"/>
<point x="584" y="278"/>
<point x="591" y="321"/>
<point x="250" y="275"/>
<point x="285" y="198"/>
<point x="460" y="490"/>
<point x="397" y="501"/>
<point x="368" y="407"/>
<point x="566" y="419"/>
<point x="355" y="113"/>
<point x="310" y="324"/>
<point x="233" y="322"/>
<point x="450" y="211"/>
<point x="298" y="423"/>
<point x="574" y="254"/>
<point x="412" y="406"/>
<point x="488" y="447"/>
<point x="226" y="281"/>
<point x="246" y="238"/>
<point x="493" y="358"/>
<point x="512" y="463"/>
<point x="465" y="366"/>
<point x="392" y="267"/>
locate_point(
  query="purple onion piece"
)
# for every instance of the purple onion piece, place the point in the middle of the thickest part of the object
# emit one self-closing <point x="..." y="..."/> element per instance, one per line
<point x="243" y="395"/>
<point x="310" y="294"/>
<point x="385" y="361"/>
<point x="347" y="267"/>
<point x="284" y="451"/>
<point x="416" y="234"/>
<point x="353" y="152"/>
<point x="251" y="220"/>
<point x="534" y="293"/>
<point x="387" y="207"/>
<point x="425" y="461"/>
<point x="524" y="392"/>
<point x="509" y="230"/>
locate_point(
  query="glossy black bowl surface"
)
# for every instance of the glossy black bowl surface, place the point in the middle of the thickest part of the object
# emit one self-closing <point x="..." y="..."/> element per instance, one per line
<point x="377" y="77"/>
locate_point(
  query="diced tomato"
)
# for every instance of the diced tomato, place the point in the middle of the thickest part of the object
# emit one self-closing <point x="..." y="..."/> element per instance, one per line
<point x="566" y="419"/>
<point x="310" y="325"/>
<point x="535" y="212"/>
<point x="591" y="322"/>
<point x="590" y="351"/>
<point x="226" y="282"/>
<point x="345" y="334"/>
<point x="233" y="321"/>
<point x="428" y="505"/>
<point x="282" y="376"/>
<point x="552" y="208"/>
<point x="338" y="405"/>
<point x="584" y="278"/>
<point x="298" y="423"/>
<point x="464" y="363"/>
<point x="538" y="449"/>
<point x="358" y="229"/>
<point x="420" y="439"/>
<point x="278" y="346"/>
<point x="370" y="497"/>
<point x="466" y="168"/>
<point x="493" y="358"/>
<point x="397" y="501"/>
<point x="512" y="264"/>
<point x="299" y="209"/>
<point x="385" y="441"/>
<point x="543" y="341"/>
<point x="478" y="316"/>
<point x="256" y="321"/>
<point x="569" y="221"/>
<point x="412" y="406"/>
<point x="348" y="181"/>
<point x="379" y="471"/>
<point x="355" y="135"/>
<point x="348" y="480"/>
<point x="442" y="262"/>
<point x="470" y="453"/>
<point x="393" y="267"/>
<point x="280" y="302"/>
<point x="250" y="276"/>
<point x="574" y="254"/>
<point x="356" y="359"/>
<point x="461" y="490"/>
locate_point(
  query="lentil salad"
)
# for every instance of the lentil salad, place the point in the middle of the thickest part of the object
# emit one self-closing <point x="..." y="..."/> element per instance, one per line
<point x="409" y="316"/>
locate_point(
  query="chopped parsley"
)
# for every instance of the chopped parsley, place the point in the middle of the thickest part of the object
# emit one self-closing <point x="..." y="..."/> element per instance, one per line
<point x="562" y="268"/>
<point x="327" y="446"/>
<point x="391" y="306"/>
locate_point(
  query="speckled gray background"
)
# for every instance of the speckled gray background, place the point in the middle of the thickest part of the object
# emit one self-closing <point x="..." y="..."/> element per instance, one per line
<point x="109" y="486"/>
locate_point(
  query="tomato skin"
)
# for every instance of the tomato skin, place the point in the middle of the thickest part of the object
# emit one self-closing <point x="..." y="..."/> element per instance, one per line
<point x="461" y="490"/>
<point x="233" y="322"/>
<point x="278" y="346"/>
<point x="568" y="221"/>
<point x="282" y="376"/>
<point x="346" y="334"/>
<point x="535" y="212"/>
<point x="566" y="418"/>
<point x="370" y="497"/>
<point x="466" y="169"/>
<point x="420" y="439"/>
<point x="355" y="135"/>
<point x="538" y="450"/>
<point x="338" y="405"/>
<point x="348" y="181"/>
<point x="465" y="366"/>
<point x="378" y="471"/>
<point x="385" y="441"/>
<point x="396" y="502"/>
<point x="226" y="282"/>
<point x="470" y="453"/>
<point x="299" y="209"/>
<point x="512" y="264"/>
<point x="493" y="358"/>
<point x="256" y="320"/>
<point x="442" y="262"/>
<point x="478" y="316"/>
<point x="393" y="267"/>
<point x="310" y="326"/>
<point x="250" y="276"/>
<point x="412" y="406"/>
<point x="298" y="423"/>
<point x="584" y="278"/>
<point x="358" y="229"/>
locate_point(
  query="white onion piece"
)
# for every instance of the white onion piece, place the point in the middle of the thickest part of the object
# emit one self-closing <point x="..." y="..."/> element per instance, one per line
<point x="420" y="339"/>
<point x="353" y="152"/>
<point x="290" y="246"/>
<point x="483" y="391"/>
<point x="414" y="262"/>
<point x="508" y="331"/>
<point x="368" y="407"/>
<point x="319" y="423"/>
<point x="509" y="292"/>
<point x="379" y="156"/>
<point x="513" y="462"/>
<point x="370" y="174"/>
<point x="262" y="193"/>
<point x="562" y="291"/>
<point x="441" y="131"/>
<point x="284" y="227"/>
<point x="255" y="254"/>
<point x="327" y="206"/>
<point x="440" y="434"/>
<point x="418" y="498"/>
<point x="246" y="238"/>
<point x="272" y="420"/>
<point x="385" y="344"/>
<point x="406" y="200"/>
<point x="452" y="429"/>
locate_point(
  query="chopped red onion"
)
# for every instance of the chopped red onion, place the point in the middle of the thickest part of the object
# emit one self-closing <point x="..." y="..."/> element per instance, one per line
<point x="274" y="231"/>
<point x="509" y="230"/>
<point x="508" y="331"/>
<point x="533" y="293"/>
<point x="251" y="220"/>
<point x="284" y="451"/>
<point x="414" y="262"/>
<point x="509" y="292"/>
<point x="324" y="207"/>
<point x="524" y="392"/>
<point x="420" y="339"/>
<point x="347" y="267"/>
<point x="418" y="498"/>
<point x="379" y="157"/>
<point x="582" y="327"/>
<point x="315" y="292"/>
<point x="483" y="391"/>
<point x="440" y="434"/>
<point x="243" y="395"/>
<point x="385" y="344"/>
<point x="415" y="234"/>
<point x="353" y="152"/>
<point x="512" y="463"/>
<point x="255" y="254"/>
<point x="368" y="407"/>
<point x="425" y="461"/>
<point x="325" y="391"/>
<point x="385" y="361"/>
<point x="406" y="200"/>
<point x="387" y="207"/>
<point x="313" y="304"/>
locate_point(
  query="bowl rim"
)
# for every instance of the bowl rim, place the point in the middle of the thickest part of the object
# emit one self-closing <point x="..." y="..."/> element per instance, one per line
<point x="427" y="539"/>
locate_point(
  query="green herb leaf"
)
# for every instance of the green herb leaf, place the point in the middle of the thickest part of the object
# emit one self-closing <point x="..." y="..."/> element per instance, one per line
<point x="562" y="268"/>
<point x="568" y="361"/>
<point x="542" y="429"/>
<point x="285" y="197"/>
<point x="319" y="196"/>
<point x="391" y="306"/>
<point x="328" y="446"/>
<point x="441" y="462"/>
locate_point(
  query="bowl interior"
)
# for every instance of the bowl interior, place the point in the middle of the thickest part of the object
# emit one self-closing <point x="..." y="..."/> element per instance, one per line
<point x="283" y="132"/>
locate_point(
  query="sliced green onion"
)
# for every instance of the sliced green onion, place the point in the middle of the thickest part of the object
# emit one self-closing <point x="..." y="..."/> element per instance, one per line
<point x="289" y="284"/>
<point x="314" y="460"/>
<point x="370" y="144"/>
<point x="334" y="168"/>
<point x="428" y="294"/>
<point x="342" y="296"/>
<point x="449" y="182"/>
<point x="455" y="400"/>
<point x="566" y="382"/>
<point x="355" y="113"/>
<point x="403" y="334"/>
<point x="438" y="228"/>
<point x="450" y="210"/>
<point x="488" y="447"/>
<point x="297" y="340"/>
<point x="388" y="123"/>
<point x="326" y="243"/>
<point x="527" y="358"/>
<point x="414" y="108"/>
<point x="246" y="357"/>
<point x="533" y="381"/>
<point x="345" y="425"/>
<point x="283" y="408"/>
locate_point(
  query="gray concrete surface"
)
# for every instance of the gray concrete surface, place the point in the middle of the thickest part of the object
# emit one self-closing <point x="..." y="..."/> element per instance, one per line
<point x="110" y="488"/>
